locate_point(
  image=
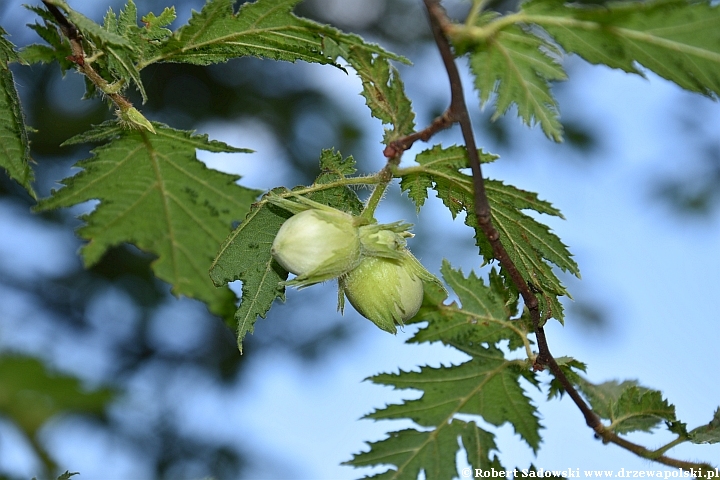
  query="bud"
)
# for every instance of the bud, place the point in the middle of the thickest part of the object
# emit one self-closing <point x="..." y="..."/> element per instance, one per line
<point x="386" y="291"/>
<point x="317" y="245"/>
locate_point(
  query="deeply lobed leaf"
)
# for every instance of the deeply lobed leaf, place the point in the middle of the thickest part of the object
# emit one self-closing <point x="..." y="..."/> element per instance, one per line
<point x="530" y="244"/>
<point x="487" y="385"/>
<point x="482" y="319"/>
<point x="14" y="146"/>
<point x="155" y="194"/>
<point x="432" y="453"/>
<point x="677" y="39"/>
<point x="628" y="406"/>
<point x="264" y="28"/>
<point x="383" y="91"/>
<point x="517" y="66"/>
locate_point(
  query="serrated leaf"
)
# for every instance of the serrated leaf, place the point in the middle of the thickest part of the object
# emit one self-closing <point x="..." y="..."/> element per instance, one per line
<point x="155" y="194"/>
<point x="530" y="244"/>
<point x="478" y="446"/>
<point x="264" y="28"/>
<point x="483" y="318"/>
<point x="121" y="61"/>
<point x="88" y="27"/>
<point x="14" y="147"/>
<point x="676" y="39"/>
<point x="432" y="453"/>
<point x="30" y="395"/>
<point x="384" y="93"/>
<point x="414" y="452"/>
<point x="517" y="65"/>
<point x="59" y="48"/>
<point x="488" y="385"/>
<point x="640" y="409"/>
<point x="709" y="433"/>
<point x="245" y="254"/>
<point x="628" y="406"/>
<point x="570" y="368"/>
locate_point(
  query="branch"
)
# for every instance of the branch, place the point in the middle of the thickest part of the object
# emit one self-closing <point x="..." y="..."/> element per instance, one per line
<point x="457" y="112"/>
<point x="78" y="57"/>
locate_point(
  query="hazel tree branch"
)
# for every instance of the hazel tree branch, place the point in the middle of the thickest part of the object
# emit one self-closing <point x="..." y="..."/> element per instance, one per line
<point x="458" y="113"/>
<point x="78" y="57"/>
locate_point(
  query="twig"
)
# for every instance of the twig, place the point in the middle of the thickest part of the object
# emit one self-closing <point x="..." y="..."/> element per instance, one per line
<point x="78" y="57"/>
<point x="457" y="112"/>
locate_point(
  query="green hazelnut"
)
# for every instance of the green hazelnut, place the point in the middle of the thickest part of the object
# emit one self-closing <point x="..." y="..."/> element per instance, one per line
<point x="317" y="245"/>
<point x="386" y="291"/>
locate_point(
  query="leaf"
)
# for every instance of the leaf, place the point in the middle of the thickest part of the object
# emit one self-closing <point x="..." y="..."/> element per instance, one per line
<point x="432" y="452"/>
<point x="89" y="28"/>
<point x="67" y="475"/>
<point x="245" y="254"/>
<point x="676" y="39"/>
<point x="264" y="28"/>
<point x="518" y="65"/>
<point x="531" y="245"/>
<point x="487" y="385"/>
<point x="640" y="409"/>
<point x="628" y="406"/>
<point x="155" y="194"/>
<point x="570" y="368"/>
<point x="483" y="318"/>
<point x="709" y="433"/>
<point x="14" y="147"/>
<point x="59" y="49"/>
<point x="30" y="395"/>
<point x="383" y="91"/>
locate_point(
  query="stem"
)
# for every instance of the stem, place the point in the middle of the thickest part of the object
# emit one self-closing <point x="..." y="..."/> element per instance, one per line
<point x="374" y="200"/>
<point x="458" y="112"/>
<point x="83" y="64"/>
<point x="477" y="7"/>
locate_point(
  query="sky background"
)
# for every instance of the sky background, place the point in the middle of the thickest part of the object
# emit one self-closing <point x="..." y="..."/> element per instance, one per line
<point x="650" y="271"/>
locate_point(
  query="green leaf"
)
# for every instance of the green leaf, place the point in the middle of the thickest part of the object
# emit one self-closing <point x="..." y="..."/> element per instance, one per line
<point x="530" y="244"/>
<point x="67" y="475"/>
<point x="433" y="453"/>
<point x="518" y="65"/>
<point x="483" y="318"/>
<point x="245" y="254"/>
<point x="264" y="28"/>
<point x="676" y="39"/>
<point x="487" y="385"/>
<point x="628" y="406"/>
<point x="89" y="28"/>
<point x="30" y="395"/>
<point x="709" y="433"/>
<point x="14" y="147"/>
<point x="120" y="60"/>
<point x="58" y="49"/>
<point x="155" y="194"/>
<point x="570" y="368"/>
<point x="384" y="92"/>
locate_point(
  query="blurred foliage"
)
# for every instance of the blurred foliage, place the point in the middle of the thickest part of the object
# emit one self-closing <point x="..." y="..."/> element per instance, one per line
<point x="30" y="396"/>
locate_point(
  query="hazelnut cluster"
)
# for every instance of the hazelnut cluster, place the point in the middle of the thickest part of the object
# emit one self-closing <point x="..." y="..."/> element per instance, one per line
<point x="376" y="272"/>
